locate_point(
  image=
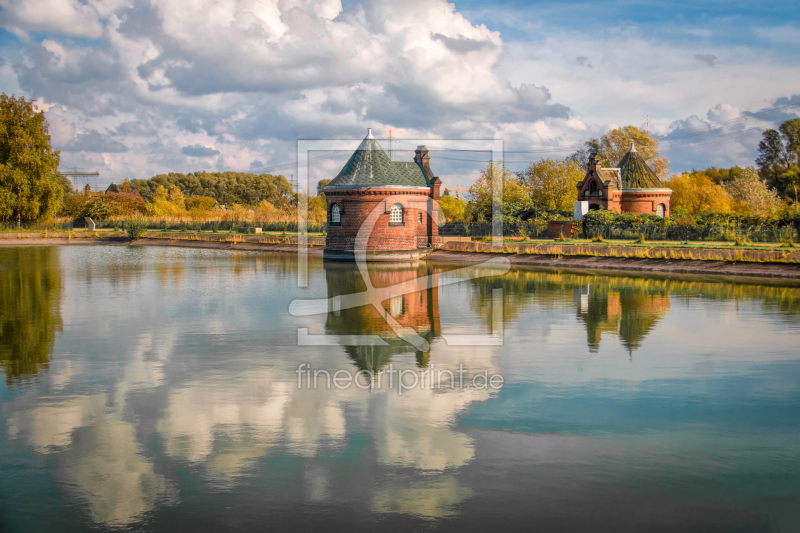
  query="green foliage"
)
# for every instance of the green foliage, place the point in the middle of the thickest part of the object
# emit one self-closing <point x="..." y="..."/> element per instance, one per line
<point x="29" y="187"/>
<point x="200" y="203"/>
<point x="30" y="289"/>
<point x="135" y="228"/>
<point x="551" y="184"/>
<point x="225" y="187"/>
<point x="454" y="209"/>
<point x="113" y="205"/>
<point x="779" y="158"/>
<point x="752" y="193"/>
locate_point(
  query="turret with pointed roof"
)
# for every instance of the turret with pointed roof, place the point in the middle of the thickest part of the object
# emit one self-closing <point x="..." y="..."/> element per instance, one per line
<point x="404" y="195"/>
<point x="636" y="173"/>
<point x="369" y="166"/>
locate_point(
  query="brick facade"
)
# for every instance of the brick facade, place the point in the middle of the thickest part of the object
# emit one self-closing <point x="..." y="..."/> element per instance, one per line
<point x="601" y="188"/>
<point x="355" y="205"/>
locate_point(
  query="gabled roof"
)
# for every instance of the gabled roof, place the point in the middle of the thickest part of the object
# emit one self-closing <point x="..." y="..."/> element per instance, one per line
<point x="636" y="173"/>
<point x="610" y="174"/>
<point x="369" y="166"/>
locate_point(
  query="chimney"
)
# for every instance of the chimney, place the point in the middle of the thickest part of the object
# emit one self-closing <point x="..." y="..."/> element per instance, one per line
<point x="594" y="163"/>
<point x="421" y="156"/>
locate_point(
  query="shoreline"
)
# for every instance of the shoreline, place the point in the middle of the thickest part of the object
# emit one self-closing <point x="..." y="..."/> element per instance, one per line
<point x="555" y="260"/>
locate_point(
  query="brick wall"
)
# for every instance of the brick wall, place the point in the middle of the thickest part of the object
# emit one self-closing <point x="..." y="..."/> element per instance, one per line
<point x="355" y="206"/>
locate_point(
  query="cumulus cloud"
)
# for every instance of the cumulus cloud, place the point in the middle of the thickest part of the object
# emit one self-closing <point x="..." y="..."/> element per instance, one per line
<point x="199" y="151"/>
<point x="251" y="77"/>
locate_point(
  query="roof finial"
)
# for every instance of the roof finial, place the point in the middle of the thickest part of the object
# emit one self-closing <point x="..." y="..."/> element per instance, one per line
<point x="633" y="147"/>
<point x="369" y="133"/>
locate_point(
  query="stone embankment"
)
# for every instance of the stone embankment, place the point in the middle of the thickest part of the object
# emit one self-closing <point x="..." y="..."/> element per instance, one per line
<point x="713" y="262"/>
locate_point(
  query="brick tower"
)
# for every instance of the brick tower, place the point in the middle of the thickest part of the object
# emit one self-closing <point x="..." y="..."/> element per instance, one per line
<point x="388" y="208"/>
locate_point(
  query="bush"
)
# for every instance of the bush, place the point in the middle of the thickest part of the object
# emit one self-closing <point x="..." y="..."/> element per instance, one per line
<point x="135" y="228"/>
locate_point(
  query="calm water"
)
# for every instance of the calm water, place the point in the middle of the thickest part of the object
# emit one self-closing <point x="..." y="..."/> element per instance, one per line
<point x="158" y="389"/>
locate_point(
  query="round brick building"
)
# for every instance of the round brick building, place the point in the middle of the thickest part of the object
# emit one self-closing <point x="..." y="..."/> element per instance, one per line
<point x="386" y="208"/>
<point x="633" y="187"/>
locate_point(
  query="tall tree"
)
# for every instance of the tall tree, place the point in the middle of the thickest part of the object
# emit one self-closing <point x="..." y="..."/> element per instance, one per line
<point x="772" y="152"/>
<point x="29" y="187"/>
<point x="551" y="184"/>
<point x="791" y="136"/>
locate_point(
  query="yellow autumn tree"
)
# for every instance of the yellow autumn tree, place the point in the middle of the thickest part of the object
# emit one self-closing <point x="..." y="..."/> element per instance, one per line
<point x="696" y="193"/>
<point x="481" y="194"/>
<point x="551" y="183"/>
<point x="454" y="209"/>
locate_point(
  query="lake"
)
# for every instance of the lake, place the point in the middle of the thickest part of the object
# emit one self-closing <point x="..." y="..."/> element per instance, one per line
<point x="166" y="389"/>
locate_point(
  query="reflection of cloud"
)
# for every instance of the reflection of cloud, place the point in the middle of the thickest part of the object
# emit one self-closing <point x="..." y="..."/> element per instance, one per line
<point x="427" y="499"/>
<point x="50" y="421"/>
<point x="415" y="429"/>
<point x="107" y="465"/>
<point x="100" y="459"/>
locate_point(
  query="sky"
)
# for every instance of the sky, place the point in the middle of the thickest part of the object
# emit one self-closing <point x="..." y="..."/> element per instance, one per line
<point x="134" y="88"/>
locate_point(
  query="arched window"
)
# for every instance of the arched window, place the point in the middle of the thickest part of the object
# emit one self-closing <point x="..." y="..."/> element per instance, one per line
<point x="661" y="209"/>
<point x="396" y="214"/>
<point x="592" y="187"/>
<point x="336" y="217"/>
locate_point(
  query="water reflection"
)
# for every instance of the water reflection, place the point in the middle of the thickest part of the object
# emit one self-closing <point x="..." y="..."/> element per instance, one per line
<point x="417" y="310"/>
<point x="30" y="315"/>
<point x="179" y="396"/>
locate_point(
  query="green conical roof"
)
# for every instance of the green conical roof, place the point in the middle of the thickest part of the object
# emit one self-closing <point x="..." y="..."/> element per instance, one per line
<point x="369" y="166"/>
<point x="636" y="173"/>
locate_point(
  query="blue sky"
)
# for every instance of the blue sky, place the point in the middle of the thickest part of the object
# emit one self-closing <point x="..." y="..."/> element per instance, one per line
<point x="139" y="87"/>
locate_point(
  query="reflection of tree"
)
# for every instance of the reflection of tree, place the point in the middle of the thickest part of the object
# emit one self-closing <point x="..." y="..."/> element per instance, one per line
<point x="640" y="311"/>
<point x="419" y="310"/>
<point x="30" y="289"/>
<point x="629" y="311"/>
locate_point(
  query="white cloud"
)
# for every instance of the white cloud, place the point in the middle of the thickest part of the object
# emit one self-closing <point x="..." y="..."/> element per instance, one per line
<point x="248" y="78"/>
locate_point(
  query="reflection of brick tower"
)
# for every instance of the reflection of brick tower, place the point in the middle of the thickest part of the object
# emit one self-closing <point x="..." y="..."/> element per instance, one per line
<point x="405" y="193"/>
<point x="418" y="310"/>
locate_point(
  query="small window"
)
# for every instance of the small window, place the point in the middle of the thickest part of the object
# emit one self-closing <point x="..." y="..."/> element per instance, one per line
<point x="396" y="214"/>
<point x="336" y="217"/>
<point x="396" y="306"/>
<point x="419" y="217"/>
<point x="661" y="209"/>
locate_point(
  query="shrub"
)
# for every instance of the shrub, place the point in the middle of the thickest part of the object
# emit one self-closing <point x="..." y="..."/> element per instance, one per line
<point x="135" y="228"/>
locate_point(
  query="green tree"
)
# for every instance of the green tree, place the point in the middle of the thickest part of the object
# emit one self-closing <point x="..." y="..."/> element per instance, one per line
<point x="615" y="143"/>
<point x="779" y="158"/>
<point x="482" y="197"/>
<point x="552" y="184"/>
<point x="772" y="151"/>
<point x="751" y="193"/>
<point x="321" y="185"/>
<point x="454" y="209"/>
<point x="29" y="187"/>
<point x="791" y="137"/>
